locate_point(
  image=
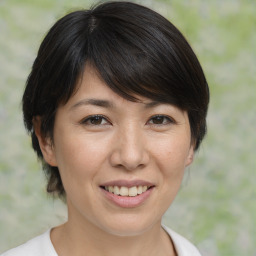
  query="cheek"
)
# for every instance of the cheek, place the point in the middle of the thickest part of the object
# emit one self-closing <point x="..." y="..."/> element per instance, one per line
<point x="172" y="155"/>
<point x="80" y="157"/>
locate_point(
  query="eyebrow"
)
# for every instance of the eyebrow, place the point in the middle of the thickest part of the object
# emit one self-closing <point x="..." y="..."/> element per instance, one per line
<point x="152" y="104"/>
<point x="94" y="102"/>
<point x="109" y="104"/>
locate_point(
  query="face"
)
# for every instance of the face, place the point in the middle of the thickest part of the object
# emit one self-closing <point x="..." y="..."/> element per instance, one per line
<point x="121" y="162"/>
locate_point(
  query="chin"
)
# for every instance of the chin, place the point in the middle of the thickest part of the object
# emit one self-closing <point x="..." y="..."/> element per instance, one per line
<point x="127" y="226"/>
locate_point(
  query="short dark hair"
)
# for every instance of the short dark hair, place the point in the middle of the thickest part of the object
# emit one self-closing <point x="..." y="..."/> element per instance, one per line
<point x="135" y="50"/>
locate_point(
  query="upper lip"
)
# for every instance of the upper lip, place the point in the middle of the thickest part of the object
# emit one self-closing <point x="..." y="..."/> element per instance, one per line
<point x="127" y="183"/>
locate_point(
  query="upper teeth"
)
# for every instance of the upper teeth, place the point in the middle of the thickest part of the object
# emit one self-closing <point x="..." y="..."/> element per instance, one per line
<point x="125" y="191"/>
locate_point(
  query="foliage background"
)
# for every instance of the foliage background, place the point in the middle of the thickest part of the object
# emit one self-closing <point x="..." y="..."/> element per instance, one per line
<point x="216" y="206"/>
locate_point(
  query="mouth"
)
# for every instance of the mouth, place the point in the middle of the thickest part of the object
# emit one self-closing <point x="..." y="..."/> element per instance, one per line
<point x="127" y="194"/>
<point x="124" y="191"/>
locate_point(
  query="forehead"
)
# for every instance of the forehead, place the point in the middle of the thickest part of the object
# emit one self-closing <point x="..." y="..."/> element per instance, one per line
<point x="91" y="89"/>
<point x="92" y="86"/>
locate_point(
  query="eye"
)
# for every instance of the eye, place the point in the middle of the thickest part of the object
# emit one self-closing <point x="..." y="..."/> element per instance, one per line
<point x="95" y="120"/>
<point x="160" y="120"/>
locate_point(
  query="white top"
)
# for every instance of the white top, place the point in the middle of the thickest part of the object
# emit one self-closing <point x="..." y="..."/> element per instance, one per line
<point x="42" y="246"/>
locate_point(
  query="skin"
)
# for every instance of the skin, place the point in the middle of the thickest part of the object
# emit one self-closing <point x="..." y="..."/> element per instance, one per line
<point x="129" y="143"/>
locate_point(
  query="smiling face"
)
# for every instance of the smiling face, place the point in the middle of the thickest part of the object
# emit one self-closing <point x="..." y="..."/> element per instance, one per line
<point x="121" y="162"/>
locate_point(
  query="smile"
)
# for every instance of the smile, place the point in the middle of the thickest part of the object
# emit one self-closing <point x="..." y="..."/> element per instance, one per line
<point x="125" y="191"/>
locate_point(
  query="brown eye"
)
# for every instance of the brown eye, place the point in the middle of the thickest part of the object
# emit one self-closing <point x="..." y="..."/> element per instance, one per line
<point x="160" y="120"/>
<point x="95" y="120"/>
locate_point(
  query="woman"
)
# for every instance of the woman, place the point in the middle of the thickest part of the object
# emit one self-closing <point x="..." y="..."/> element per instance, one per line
<point x="116" y="106"/>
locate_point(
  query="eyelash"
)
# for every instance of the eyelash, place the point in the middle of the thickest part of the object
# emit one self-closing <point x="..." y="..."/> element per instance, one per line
<point x="168" y="120"/>
<point x="88" y="120"/>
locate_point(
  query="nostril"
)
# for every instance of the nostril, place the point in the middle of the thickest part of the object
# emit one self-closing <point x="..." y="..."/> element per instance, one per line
<point x="129" y="156"/>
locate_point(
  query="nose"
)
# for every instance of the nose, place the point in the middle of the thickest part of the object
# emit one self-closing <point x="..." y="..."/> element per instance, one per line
<point x="129" y="150"/>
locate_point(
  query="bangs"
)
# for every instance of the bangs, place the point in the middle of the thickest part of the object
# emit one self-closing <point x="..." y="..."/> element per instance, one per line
<point x="135" y="61"/>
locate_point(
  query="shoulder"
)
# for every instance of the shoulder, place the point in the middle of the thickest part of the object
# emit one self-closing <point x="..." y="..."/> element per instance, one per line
<point x="39" y="246"/>
<point x="181" y="244"/>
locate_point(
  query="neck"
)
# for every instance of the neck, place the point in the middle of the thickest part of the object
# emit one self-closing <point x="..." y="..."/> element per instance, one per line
<point x="72" y="238"/>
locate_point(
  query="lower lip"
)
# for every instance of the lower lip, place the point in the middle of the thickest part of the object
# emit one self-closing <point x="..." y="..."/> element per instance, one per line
<point x="128" y="201"/>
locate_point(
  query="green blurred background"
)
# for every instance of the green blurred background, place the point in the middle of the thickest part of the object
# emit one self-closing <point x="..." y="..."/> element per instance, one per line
<point x="216" y="206"/>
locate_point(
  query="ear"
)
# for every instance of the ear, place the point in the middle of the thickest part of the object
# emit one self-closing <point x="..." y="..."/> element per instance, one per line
<point x="45" y="143"/>
<point x="190" y="157"/>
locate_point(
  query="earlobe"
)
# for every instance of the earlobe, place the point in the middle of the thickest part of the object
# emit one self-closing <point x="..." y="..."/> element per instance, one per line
<point x="190" y="157"/>
<point x="45" y="143"/>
